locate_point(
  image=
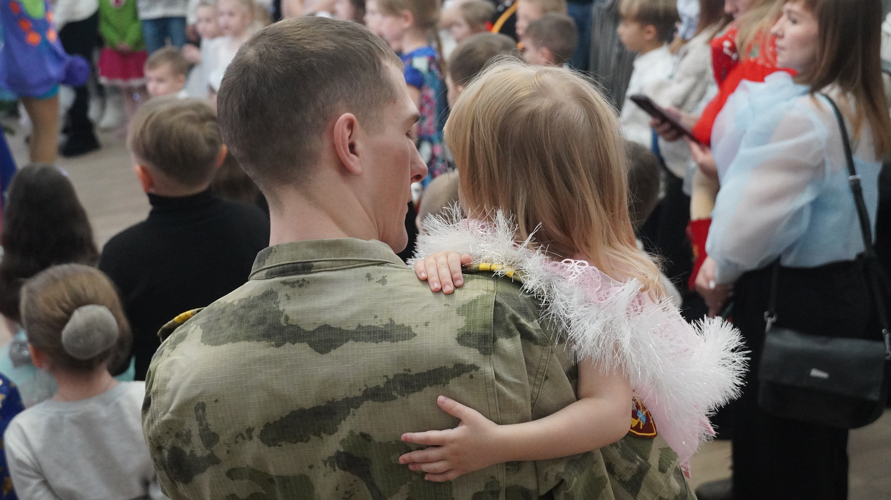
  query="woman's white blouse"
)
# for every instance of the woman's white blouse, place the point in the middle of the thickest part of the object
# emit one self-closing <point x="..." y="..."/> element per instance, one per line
<point x="784" y="181"/>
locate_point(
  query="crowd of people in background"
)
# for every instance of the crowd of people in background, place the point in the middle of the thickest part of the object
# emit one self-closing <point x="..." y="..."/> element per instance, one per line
<point x="741" y="179"/>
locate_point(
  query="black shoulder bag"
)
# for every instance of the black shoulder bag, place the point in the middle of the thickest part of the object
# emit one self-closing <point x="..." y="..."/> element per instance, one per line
<point x="834" y="381"/>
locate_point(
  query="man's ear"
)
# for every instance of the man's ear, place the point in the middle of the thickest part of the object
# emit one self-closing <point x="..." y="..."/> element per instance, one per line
<point x="346" y="138"/>
<point x="650" y="32"/>
<point x="221" y="157"/>
<point x="145" y="177"/>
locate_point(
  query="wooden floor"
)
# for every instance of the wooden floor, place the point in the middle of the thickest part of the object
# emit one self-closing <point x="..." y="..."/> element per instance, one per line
<point x="113" y="199"/>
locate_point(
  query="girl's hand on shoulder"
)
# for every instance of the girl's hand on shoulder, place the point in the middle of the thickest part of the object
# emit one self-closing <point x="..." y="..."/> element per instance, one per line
<point x="123" y="48"/>
<point x="442" y="270"/>
<point x="453" y="452"/>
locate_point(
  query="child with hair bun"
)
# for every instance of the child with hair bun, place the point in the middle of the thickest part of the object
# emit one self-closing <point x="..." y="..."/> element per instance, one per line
<point x="85" y="442"/>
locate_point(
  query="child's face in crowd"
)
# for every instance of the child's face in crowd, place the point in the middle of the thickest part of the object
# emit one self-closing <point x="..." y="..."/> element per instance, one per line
<point x="526" y="13"/>
<point x="372" y="17"/>
<point x="393" y="30"/>
<point x="292" y="8"/>
<point x="163" y="81"/>
<point x="633" y="35"/>
<point x="797" y="33"/>
<point x="459" y="29"/>
<point x="344" y="10"/>
<point x="536" y="56"/>
<point x="232" y="18"/>
<point x="206" y="22"/>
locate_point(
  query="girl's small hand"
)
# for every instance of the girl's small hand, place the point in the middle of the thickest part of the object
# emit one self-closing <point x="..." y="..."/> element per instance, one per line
<point x="703" y="157"/>
<point x="442" y="270"/>
<point x="466" y="448"/>
<point x="123" y="48"/>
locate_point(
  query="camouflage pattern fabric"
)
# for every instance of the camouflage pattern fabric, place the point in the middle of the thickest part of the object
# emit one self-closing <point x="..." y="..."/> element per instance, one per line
<point x="299" y="384"/>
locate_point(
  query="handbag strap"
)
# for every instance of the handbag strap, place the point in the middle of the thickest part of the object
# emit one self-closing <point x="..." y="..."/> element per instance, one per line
<point x="873" y="271"/>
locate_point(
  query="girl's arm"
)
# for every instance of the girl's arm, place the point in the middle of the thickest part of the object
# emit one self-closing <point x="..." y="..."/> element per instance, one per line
<point x="600" y="417"/>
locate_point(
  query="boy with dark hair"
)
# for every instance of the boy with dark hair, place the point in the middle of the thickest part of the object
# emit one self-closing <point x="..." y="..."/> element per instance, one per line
<point x="194" y="247"/>
<point x="550" y="40"/>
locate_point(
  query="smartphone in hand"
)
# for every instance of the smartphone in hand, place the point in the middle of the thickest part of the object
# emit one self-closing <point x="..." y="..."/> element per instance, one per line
<point x="656" y="111"/>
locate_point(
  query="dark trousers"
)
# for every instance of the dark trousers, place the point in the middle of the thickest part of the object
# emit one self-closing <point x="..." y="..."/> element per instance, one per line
<point x="79" y="38"/>
<point x="777" y="458"/>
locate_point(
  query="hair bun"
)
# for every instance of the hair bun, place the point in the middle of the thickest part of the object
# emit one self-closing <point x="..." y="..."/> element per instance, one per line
<point x="90" y="331"/>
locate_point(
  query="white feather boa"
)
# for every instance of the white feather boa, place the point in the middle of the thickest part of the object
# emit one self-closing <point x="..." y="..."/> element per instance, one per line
<point x="680" y="372"/>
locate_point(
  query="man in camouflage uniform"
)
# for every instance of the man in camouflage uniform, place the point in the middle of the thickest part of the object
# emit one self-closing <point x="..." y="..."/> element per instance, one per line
<point x="300" y="383"/>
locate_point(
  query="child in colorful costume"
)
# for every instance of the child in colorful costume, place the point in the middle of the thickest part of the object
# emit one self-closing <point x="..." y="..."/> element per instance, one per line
<point x="33" y="65"/>
<point x="122" y="60"/>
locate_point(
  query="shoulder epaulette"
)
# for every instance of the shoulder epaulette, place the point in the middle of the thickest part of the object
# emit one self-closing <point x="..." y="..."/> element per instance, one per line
<point x="496" y="269"/>
<point x="176" y="322"/>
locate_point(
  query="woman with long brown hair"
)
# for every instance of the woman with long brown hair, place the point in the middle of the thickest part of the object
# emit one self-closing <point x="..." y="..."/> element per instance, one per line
<point x="785" y="196"/>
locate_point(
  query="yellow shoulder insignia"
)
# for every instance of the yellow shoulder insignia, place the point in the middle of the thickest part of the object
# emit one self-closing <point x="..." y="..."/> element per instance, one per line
<point x="496" y="269"/>
<point x="176" y="322"/>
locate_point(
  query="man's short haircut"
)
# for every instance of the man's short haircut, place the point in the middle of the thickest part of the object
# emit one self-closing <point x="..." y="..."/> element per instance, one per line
<point x="555" y="32"/>
<point x="644" y="177"/>
<point x="661" y="14"/>
<point x="547" y="6"/>
<point x="168" y="55"/>
<point x="289" y="81"/>
<point x="178" y="137"/>
<point x="474" y="54"/>
<point x="476" y="12"/>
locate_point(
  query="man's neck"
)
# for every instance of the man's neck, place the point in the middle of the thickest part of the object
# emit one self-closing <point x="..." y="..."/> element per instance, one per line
<point x="305" y="218"/>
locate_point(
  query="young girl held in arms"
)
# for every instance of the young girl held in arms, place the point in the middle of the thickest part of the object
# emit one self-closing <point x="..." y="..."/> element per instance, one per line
<point x="86" y="442"/>
<point x="538" y="212"/>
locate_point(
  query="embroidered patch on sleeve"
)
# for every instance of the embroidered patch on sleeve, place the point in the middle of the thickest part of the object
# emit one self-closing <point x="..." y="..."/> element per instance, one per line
<point x="641" y="421"/>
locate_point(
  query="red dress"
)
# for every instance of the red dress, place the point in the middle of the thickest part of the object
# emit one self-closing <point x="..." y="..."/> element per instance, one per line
<point x="122" y="69"/>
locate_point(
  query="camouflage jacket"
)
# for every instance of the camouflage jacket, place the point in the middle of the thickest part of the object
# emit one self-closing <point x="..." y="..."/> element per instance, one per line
<point x="299" y="384"/>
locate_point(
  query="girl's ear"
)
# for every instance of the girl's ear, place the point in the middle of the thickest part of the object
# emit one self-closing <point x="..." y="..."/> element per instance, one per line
<point x="38" y="357"/>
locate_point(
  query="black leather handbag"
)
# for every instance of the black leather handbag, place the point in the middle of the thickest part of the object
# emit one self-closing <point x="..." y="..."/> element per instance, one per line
<point x="834" y="381"/>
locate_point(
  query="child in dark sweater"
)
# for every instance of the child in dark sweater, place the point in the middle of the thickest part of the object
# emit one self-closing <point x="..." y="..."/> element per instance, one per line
<point x="194" y="247"/>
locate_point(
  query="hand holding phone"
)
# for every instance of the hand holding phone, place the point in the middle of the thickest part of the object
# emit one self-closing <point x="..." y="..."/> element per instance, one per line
<point x="656" y="111"/>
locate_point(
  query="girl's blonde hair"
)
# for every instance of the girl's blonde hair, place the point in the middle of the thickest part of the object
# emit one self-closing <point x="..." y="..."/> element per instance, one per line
<point x="543" y="144"/>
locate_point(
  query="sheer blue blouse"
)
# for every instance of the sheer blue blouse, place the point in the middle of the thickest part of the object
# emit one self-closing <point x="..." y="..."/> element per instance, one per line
<point x="784" y="181"/>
